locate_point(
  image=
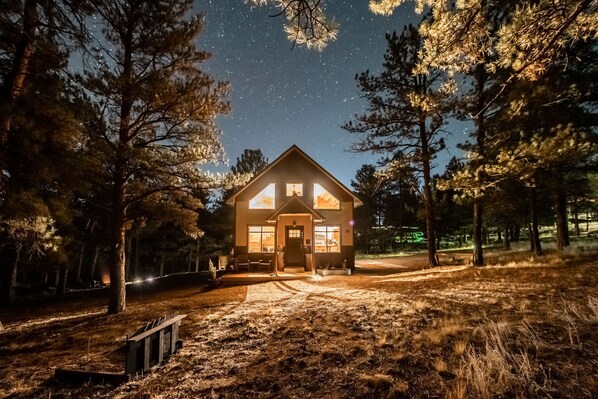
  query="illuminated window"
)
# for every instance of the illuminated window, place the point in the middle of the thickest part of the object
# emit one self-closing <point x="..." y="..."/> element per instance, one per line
<point x="323" y="199"/>
<point x="294" y="233"/>
<point x="327" y="239"/>
<point x="260" y="239"/>
<point x="294" y="188"/>
<point x="265" y="198"/>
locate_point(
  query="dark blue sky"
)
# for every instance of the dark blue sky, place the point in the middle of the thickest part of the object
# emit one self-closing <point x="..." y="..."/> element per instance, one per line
<point x="282" y="97"/>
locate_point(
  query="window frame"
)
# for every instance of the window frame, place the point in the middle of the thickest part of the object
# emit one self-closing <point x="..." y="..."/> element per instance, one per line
<point x="299" y="185"/>
<point x="271" y="230"/>
<point x="327" y="229"/>
<point x="315" y="201"/>
<point x="267" y="187"/>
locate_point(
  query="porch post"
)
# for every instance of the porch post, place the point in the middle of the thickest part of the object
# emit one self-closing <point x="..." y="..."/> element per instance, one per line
<point x="275" y="263"/>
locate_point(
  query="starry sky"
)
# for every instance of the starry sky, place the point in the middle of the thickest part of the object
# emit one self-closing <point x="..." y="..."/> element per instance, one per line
<point x="281" y="95"/>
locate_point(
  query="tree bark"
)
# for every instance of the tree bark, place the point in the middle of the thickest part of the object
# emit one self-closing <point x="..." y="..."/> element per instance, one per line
<point x="136" y="263"/>
<point x="62" y="278"/>
<point x="94" y="263"/>
<point x="197" y="256"/>
<point x="478" y="253"/>
<point x="428" y="199"/>
<point x="562" y="224"/>
<point x="480" y="126"/>
<point x="128" y="248"/>
<point x="9" y="259"/>
<point x="535" y="233"/>
<point x="117" y="301"/>
<point x="506" y="243"/>
<point x="14" y="82"/>
<point x="80" y="265"/>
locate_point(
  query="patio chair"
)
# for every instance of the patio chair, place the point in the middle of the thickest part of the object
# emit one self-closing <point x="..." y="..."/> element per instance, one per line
<point x="242" y="262"/>
<point x="265" y="264"/>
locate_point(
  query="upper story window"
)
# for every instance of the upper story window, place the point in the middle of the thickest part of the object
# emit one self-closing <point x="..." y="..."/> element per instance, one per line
<point x="294" y="189"/>
<point x="264" y="199"/>
<point x="323" y="199"/>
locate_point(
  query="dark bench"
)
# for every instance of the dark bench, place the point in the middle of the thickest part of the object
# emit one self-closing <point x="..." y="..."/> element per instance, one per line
<point x="147" y="347"/>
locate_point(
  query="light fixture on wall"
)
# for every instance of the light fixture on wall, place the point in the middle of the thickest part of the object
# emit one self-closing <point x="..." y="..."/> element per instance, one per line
<point x="294" y="224"/>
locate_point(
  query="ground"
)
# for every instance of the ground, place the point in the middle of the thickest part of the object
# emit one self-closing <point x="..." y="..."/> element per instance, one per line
<point x="517" y="328"/>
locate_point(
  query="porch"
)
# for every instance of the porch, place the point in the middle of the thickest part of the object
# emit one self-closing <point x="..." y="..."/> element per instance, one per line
<point x="257" y="277"/>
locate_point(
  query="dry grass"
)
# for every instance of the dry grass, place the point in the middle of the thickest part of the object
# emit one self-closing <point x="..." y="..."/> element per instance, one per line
<point x="518" y="328"/>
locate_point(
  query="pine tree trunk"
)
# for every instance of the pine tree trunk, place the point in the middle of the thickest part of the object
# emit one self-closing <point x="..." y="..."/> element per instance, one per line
<point x="96" y="254"/>
<point x="480" y="126"/>
<point x="117" y="302"/>
<point x="136" y="265"/>
<point x="9" y="259"/>
<point x="478" y="253"/>
<point x="197" y="256"/>
<point x="162" y="256"/>
<point x="80" y="265"/>
<point x="428" y="199"/>
<point x="62" y="278"/>
<point x="129" y="248"/>
<point x="562" y="225"/>
<point x="535" y="233"/>
<point x="14" y="82"/>
<point x="506" y="243"/>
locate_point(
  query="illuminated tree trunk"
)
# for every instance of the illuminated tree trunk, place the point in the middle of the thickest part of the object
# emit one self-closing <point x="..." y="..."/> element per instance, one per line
<point x="117" y="301"/>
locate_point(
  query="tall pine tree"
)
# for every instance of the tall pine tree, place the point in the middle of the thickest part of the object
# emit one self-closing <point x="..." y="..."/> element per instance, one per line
<point x="158" y="108"/>
<point x="406" y="114"/>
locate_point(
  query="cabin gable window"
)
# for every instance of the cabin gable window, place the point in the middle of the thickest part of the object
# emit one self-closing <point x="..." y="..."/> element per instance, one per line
<point x="264" y="199"/>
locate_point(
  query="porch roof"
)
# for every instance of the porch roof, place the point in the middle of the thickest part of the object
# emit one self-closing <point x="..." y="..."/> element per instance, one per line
<point x="294" y="205"/>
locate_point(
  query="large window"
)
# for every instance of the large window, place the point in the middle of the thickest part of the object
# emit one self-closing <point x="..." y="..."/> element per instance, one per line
<point x="264" y="199"/>
<point x="323" y="199"/>
<point x="328" y="239"/>
<point x="294" y="189"/>
<point x="261" y="239"/>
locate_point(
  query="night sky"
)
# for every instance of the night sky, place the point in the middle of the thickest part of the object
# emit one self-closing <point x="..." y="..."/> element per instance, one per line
<point x="282" y="96"/>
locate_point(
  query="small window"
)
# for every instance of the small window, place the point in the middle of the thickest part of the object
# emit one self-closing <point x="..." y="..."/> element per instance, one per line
<point x="260" y="239"/>
<point x="265" y="198"/>
<point x="327" y="239"/>
<point x="294" y="189"/>
<point x="324" y="200"/>
<point x="294" y="233"/>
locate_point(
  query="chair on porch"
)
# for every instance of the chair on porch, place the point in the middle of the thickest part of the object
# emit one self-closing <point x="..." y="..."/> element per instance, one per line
<point x="265" y="264"/>
<point x="242" y="262"/>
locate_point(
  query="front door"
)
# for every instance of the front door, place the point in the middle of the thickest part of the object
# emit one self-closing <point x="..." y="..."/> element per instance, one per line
<point x="294" y="251"/>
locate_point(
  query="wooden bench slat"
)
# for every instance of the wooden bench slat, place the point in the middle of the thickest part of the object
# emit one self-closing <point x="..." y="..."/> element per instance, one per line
<point x="147" y="333"/>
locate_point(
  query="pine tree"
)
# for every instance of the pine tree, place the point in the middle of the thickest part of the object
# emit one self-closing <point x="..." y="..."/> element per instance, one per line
<point x="158" y="109"/>
<point x="406" y="115"/>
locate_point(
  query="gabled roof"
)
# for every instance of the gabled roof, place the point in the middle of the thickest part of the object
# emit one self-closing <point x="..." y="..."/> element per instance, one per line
<point x="294" y="149"/>
<point x="294" y="205"/>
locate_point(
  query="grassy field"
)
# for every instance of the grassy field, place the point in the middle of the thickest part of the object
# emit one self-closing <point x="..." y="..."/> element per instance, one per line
<point x="518" y="328"/>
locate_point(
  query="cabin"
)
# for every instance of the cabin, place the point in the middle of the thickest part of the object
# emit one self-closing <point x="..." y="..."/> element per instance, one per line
<point x="294" y="216"/>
